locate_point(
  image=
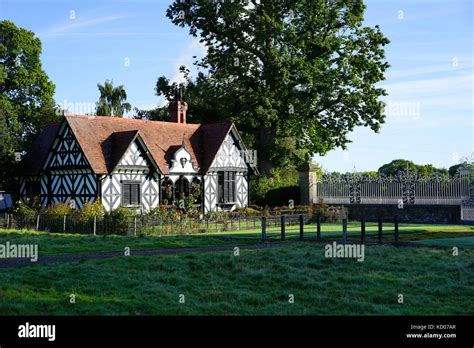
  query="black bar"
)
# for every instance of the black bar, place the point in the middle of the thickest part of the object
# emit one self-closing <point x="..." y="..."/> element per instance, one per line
<point x="318" y="228"/>
<point x="301" y="227"/>
<point x="264" y="228"/>
<point x="396" y="228"/>
<point x="344" y="231"/>
<point x="385" y="330"/>
<point x="362" y="230"/>
<point x="380" y="230"/>
<point x="283" y="221"/>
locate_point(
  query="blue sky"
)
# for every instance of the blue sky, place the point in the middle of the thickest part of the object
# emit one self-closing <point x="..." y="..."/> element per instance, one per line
<point x="430" y="82"/>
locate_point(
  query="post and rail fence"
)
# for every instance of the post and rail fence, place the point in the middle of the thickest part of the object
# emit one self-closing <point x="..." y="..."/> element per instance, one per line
<point x="272" y="228"/>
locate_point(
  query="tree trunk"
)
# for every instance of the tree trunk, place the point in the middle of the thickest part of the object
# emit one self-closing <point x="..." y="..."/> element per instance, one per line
<point x="266" y="139"/>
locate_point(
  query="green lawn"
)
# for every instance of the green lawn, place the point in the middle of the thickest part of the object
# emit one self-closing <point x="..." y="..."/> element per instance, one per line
<point x="63" y="243"/>
<point x="432" y="281"/>
<point x="334" y="230"/>
<point x="461" y="242"/>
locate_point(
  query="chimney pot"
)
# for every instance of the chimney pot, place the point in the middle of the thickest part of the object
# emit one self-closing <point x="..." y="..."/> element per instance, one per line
<point x="178" y="111"/>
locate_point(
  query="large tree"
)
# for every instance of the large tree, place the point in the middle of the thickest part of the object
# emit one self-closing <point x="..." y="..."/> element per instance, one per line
<point x="26" y="94"/>
<point x="112" y="100"/>
<point x="297" y="75"/>
<point x="401" y="165"/>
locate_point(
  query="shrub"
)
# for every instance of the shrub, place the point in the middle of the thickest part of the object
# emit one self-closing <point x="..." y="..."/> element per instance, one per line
<point x="283" y="195"/>
<point x="255" y="207"/>
<point x="329" y="213"/>
<point x="186" y="205"/>
<point x="117" y="220"/>
<point x="58" y="209"/>
<point x="280" y="184"/>
<point x="299" y="209"/>
<point x="27" y="209"/>
<point x="157" y="212"/>
<point x="92" y="210"/>
<point x="216" y="215"/>
<point x="247" y="211"/>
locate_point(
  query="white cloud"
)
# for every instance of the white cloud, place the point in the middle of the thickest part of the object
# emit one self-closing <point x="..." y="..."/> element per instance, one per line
<point x="195" y="48"/>
<point x="443" y="93"/>
<point x="429" y="69"/>
<point x="77" y="23"/>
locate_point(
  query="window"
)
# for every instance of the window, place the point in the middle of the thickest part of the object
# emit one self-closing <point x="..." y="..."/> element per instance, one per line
<point x="130" y="193"/>
<point x="181" y="188"/>
<point x="167" y="190"/>
<point x="226" y="187"/>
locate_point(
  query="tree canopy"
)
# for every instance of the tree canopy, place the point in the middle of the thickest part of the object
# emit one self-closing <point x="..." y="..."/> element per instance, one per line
<point x="296" y="76"/>
<point x="395" y="166"/>
<point x="26" y="94"/>
<point x="112" y="100"/>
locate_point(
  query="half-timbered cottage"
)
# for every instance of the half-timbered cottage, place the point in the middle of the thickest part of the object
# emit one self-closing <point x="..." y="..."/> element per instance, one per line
<point x="137" y="163"/>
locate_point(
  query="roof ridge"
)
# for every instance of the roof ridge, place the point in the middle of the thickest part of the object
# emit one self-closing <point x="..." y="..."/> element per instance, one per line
<point x="127" y="119"/>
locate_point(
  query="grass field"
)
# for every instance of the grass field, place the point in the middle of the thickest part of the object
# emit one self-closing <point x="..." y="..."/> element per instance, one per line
<point x="64" y="243"/>
<point x="258" y="282"/>
<point x="463" y="242"/>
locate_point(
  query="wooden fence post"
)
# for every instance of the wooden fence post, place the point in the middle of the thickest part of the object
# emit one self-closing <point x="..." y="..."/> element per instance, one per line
<point x="283" y="221"/>
<point x="135" y="226"/>
<point x="264" y="228"/>
<point x="318" y="227"/>
<point x="362" y="230"/>
<point x="396" y="228"/>
<point x="301" y="227"/>
<point x="8" y="221"/>
<point x="64" y="223"/>
<point x="37" y="223"/>
<point x="380" y="230"/>
<point x="95" y="225"/>
<point x="344" y="231"/>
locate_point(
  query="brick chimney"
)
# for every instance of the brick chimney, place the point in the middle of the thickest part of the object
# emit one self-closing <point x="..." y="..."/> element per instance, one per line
<point x="178" y="108"/>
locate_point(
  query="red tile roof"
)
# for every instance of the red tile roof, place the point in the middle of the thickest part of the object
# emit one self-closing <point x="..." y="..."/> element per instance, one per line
<point x="104" y="139"/>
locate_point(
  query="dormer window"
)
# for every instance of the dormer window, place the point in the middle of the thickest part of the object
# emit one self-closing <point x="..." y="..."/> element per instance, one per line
<point x="182" y="161"/>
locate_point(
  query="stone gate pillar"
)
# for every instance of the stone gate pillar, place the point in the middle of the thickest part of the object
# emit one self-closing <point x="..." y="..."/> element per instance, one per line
<point x="308" y="177"/>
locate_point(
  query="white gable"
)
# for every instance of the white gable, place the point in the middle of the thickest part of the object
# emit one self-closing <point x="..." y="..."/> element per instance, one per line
<point x="133" y="157"/>
<point x="182" y="162"/>
<point x="229" y="155"/>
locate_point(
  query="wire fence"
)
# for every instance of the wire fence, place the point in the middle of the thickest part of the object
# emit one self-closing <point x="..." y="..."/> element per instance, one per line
<point x="144" y="225"/>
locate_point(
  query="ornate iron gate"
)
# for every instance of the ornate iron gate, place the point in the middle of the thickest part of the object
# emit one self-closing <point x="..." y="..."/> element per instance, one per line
<point x="407" y="188"/>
